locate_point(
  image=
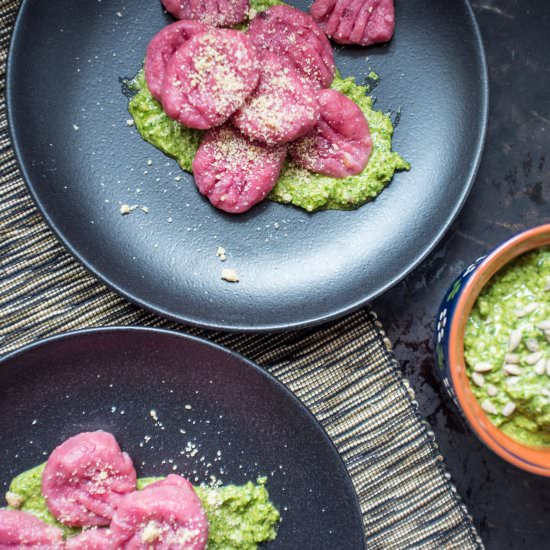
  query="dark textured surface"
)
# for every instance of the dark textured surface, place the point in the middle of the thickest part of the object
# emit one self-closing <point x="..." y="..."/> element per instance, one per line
<point x="512" y="192"/>
<point x="294" y="267"/>
<point x="242" y="422"/>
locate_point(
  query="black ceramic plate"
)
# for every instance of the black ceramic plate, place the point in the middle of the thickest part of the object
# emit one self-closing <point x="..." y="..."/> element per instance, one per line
<point x="66" y="61"/>
<point x="111" y="379"/>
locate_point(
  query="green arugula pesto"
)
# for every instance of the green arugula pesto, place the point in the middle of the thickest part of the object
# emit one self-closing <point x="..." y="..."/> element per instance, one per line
<point x="27" y="489"/>
<point x="507" y="348"/>
<point x="158" y="129"/>
<point x="261" y="5"/>
<point x="315" y="191"/>
<point x="239" y="517"/>
<point x="296" y="185"/>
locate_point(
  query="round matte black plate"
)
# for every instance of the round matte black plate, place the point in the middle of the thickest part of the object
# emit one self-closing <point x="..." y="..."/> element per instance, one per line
<point x="81" y="161"/>
<point x="242" y="421"/>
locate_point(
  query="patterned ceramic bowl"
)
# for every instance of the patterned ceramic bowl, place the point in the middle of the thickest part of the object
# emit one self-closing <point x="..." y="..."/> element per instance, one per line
<point x="449" y="348"/>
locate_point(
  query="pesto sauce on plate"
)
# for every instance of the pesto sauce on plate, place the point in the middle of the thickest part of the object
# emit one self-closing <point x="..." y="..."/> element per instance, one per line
<point x="507" y="348"/>
<point x="296" y="186"/>
<point x="239" y="517"/>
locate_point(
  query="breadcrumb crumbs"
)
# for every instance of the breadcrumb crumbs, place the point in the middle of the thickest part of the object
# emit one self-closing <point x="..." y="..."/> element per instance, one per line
<point x="14" y="500"/>
<point x="230" y="275"/>
<point x="220" y="253"/>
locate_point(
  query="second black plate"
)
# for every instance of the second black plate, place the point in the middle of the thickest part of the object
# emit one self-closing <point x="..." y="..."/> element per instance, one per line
<point x="242" y="422"/>
<point x="81" y="161"/>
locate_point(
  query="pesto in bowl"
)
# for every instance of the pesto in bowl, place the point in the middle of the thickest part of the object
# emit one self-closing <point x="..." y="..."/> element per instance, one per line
<point x="507" y="348"/>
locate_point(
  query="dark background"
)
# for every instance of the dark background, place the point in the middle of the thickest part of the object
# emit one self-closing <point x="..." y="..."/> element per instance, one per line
<point x="512" y="192"/>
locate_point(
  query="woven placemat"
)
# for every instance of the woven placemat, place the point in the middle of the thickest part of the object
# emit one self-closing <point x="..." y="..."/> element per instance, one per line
<point x="344" y="372"/>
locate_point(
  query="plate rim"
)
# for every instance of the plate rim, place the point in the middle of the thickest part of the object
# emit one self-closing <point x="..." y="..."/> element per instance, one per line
<point x="184" y="337"/>
<point x="227" y="326"/>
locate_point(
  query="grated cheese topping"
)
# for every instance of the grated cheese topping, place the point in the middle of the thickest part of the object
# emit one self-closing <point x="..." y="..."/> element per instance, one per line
<point x="214" y="73"/>
<point x="282" y="107"/>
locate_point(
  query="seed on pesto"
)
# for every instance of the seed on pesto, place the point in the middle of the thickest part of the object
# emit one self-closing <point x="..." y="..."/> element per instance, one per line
<point x="488" y="407"/>
<point x="527" y="310"/>
<point x="534" y="358"/>
<point x="532" y="344"/>
<point x="511" y="358"/>
<point x="483" y="367"/>
<point x="514" y="340"/>
<point x="540" y="367"/>
<point x="478" y="379"/>
<point x="512" y="370"/>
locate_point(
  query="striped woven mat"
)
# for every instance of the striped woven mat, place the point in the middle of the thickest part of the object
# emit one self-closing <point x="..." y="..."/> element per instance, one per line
<point x="344" y="372"/>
